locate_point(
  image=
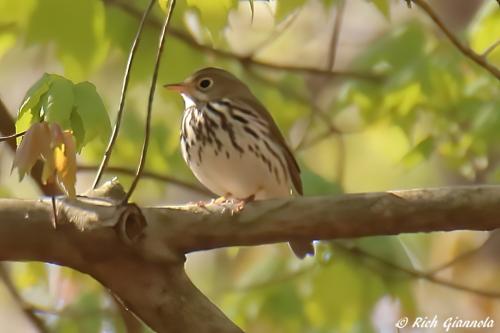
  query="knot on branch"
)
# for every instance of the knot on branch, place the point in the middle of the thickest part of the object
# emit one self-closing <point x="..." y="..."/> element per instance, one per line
<point x="131" y="225"/>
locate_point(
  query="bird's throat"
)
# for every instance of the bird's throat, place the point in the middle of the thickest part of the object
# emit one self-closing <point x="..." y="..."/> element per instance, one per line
<point x="188" y="101"/>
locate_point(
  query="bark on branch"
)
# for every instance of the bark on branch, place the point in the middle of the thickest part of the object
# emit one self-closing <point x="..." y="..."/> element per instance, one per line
<point x="138" y="253"/>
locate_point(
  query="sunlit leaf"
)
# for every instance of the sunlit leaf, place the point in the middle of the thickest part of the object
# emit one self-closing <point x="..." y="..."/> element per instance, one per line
<point x="29" y="112"/>
<point x="77" y="30"/>
<point x="213" y="14"/>
<point x="65" y="163"/>
<point x="486" y="30"/>
<point x="420" y="152"/>
<point x="92" y="113"/>
<point x="78" y="129"/>
<point x="57" y="102"/>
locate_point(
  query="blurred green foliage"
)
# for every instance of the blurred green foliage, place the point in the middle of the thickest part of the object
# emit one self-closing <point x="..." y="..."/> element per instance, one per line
<point x="442" y="108"/>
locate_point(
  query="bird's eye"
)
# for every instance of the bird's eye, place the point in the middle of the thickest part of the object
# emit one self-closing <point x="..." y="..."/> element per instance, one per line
<point x="205" y="83"/>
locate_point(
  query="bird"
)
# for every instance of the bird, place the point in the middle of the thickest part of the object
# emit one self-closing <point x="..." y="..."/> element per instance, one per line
<point x="232" y="145"/>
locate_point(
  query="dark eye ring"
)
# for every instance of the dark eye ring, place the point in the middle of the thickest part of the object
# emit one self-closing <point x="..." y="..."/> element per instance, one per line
<point x="205" y="83"/>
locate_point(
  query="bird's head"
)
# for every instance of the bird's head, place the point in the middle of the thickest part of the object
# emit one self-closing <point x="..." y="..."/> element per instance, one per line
<point x="209" y="84"/>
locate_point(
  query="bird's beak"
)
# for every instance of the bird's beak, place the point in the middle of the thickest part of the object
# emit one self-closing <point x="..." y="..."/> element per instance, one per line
<point x="178" y="87"/>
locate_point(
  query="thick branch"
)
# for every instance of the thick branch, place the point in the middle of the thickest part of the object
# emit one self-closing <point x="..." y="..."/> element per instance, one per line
<point x="322" y="218"/>
<point x="122" y="246"/>
<point x="157" y="289"/>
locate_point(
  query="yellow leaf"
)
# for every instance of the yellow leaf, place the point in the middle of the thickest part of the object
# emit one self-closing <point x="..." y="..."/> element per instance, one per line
<point x="65" y="163"/>
<point x="49" y="170"/>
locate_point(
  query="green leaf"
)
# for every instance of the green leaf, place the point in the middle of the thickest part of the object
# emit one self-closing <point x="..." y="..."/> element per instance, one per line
<point x="29" y="112"/>
<point x="90" y="107"/>
<point x="420" y="152"/>
<point x="57" y="102"/>
<point x="213" y="14"/>
<point x="485" y="31"/>
<point x="32" y="97"/>
<point x="286" y="7"/>
<point x="384" y="7"/>
<point x="16" y="12"/>
<point x="76" y="29"/>
<point x="314" y="184"/>
<point x="78" y="130"/>
<point x="7" y="40"/>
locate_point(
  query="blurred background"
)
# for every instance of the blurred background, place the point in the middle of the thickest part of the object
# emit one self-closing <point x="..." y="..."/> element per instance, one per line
<point x="407" y="109"/>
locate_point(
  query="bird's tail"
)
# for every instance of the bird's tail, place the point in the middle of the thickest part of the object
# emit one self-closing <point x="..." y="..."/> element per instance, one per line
<point x="302" y="248"/>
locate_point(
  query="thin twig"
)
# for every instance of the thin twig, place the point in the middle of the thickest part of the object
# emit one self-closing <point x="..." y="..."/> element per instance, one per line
<point x="145" y="145"/>
<point x="244" y="60"/>
<point x="466" y="50"/>
<point x="490" y="49"/>
<point x="12" y="136"/>
<point x="356" y="251"/>
<point x="119" y="115"/>
<point x="332" y="55"/>
<point x="55" y="221"/>
<point x="148" y="174"/>
<point x="26" y="309"/>
<point x="332" y="52"/>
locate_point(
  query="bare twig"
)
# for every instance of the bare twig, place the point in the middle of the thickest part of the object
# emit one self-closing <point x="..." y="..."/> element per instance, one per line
<point x="145" y="145"/>
<point x="54" y="212"/>
<point x="491" y="48"/>
<point x="12" y="136"/>
<point x="332" y="55"/>
<point x="332" y="52"/>
<point x="119" y="115"/>
<point x="130" y="321"/>
<point x="148" y="174"/>
<point x="356" y="251"/>
<point x="244" y="60"/>
<point x="25" y="308"/>
<point x="466" y="50"/>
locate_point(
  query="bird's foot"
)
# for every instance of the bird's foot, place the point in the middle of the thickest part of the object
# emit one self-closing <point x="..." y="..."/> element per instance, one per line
<point x="239" y="204"/>
<point x="220" y="200"/>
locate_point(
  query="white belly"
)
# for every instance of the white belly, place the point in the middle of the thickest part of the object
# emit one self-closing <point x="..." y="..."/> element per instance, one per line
<point x="227" y="171"/>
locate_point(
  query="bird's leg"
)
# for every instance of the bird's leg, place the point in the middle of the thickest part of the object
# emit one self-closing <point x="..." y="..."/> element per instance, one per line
<point x="239" y="204"/>
<point x="220" y="200"/>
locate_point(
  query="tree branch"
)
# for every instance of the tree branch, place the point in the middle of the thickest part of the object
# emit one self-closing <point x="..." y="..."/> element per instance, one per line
<point x="356" y="251"/>
<point x="467" y="51"/>
<point x="25" y="308"/>
<point x="244" y="60"/>
<point x="122" y="246"/>
<point x="153" y="175"/>
<point x="145" y="145"/>
<point x="119" y="115"/>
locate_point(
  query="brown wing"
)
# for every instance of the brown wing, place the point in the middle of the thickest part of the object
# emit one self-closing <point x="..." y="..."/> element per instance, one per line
<point x="293" y="166"/>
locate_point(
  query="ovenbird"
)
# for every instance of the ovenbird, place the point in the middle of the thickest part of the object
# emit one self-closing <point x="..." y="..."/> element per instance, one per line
<point x="232" y="144"/>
